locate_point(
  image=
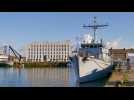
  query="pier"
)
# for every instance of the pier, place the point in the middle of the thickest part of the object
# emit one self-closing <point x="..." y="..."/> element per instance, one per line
<point x="123" y="72"/>
<point x="122" y="76"/>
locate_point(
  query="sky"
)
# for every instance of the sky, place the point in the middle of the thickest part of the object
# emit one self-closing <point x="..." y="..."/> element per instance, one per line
<point x="21" y="28"/>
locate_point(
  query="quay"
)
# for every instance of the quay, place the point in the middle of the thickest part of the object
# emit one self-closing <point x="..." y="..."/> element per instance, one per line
<point x="123" y="72"/>
<point x="122" y="76"/>
<point x="44" y="64"/>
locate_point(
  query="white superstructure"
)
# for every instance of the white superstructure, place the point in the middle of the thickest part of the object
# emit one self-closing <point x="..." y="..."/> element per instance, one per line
<point x="3" y="58"/>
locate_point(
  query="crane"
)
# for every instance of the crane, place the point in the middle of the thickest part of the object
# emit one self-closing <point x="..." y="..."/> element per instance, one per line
<point x="17" y="55"/>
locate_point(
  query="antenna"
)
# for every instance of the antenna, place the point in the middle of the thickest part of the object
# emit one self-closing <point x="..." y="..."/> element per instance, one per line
<point x="95" y="26"/>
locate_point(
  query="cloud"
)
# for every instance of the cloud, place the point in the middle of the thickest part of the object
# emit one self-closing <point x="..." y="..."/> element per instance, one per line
<point x="131" y="46"/>
<point x="114" y="44"/>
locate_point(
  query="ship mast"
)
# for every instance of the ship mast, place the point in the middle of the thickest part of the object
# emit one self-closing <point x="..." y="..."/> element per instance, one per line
<point x="95" y="26"/>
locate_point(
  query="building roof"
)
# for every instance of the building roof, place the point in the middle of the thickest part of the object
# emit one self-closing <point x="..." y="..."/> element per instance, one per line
<point x="122" y="50"/>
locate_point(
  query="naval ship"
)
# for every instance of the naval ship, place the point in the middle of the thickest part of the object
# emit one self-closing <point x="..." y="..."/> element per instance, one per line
<point x="92" y="59"/>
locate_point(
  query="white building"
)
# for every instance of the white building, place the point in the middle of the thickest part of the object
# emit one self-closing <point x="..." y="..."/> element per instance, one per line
<point x="48" y="51"/>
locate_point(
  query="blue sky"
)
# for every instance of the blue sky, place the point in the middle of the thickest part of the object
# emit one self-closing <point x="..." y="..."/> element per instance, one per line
<point x="20" y="28"/>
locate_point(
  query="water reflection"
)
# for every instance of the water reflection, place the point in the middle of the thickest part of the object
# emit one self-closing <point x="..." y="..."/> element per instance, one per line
<point x="52" y="76"/>
<point x="43" y="77"/>
<point x="12" y="77"/>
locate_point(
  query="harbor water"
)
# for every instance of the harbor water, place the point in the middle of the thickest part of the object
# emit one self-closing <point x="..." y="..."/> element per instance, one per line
<point x="38" y="77"/>
<point x="42" y="77"/>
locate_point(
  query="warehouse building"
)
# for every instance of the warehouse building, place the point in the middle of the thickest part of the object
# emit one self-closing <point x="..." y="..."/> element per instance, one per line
<point x="49" y="51"/>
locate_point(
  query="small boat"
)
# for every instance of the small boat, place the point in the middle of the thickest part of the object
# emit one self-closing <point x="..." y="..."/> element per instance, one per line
<point x="4" y="61"/>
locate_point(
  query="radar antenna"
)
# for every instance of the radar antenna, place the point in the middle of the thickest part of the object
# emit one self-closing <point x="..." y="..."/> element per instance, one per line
<point x="95" y="26"/>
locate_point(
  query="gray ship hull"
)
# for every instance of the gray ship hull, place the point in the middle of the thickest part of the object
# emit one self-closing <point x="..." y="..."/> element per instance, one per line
<point x="89" y="68"/>
<point x="96" y="75"/>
